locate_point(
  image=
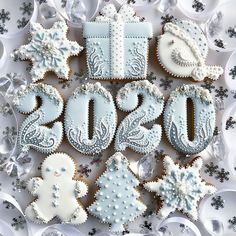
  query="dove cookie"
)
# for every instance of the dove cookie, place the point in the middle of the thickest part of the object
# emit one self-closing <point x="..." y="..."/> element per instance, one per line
<point x="117" y="44"/>
<point x="57" y="192"/>
<point x="49" y="50"/>
<point x="117" y="200"/>
<point x="182" y="50"/>
<point x="181" y="188"/>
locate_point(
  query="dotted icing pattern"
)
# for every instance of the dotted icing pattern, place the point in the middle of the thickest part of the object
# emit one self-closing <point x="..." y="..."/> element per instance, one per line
<point x="175" y="119"/>
<point x="117" y="200"/>
<point x="77" y="114"/>
<point x="49" y="50"/>
<point x="117" y="44"/>
<point x="181" y="188"/>
<point x="57" y="192"/>
<point x="33" y="133"/>
<point x="182" y="51"/>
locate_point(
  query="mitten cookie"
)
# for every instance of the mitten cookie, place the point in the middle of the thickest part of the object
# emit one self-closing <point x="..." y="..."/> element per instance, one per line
<point x="57" y="192"/>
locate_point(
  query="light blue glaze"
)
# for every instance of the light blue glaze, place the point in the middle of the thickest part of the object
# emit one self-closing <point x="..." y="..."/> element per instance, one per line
<point x="175" y="119"/>
<point x="32" y="133"/>
<point x="117" y="200"/>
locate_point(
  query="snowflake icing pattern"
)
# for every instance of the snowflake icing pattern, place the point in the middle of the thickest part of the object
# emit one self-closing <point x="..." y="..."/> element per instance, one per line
<point x="198" y="6"/>
<point x="230" y="123"/>
<point x="26" y="8"/>
<point x="232" y="32"/>
<point x="219" y="43"/>
<point x="217" y="202"/>
<point x="21" y="23"/>
<point x="166" y="19"/>
<point x="222" y="175"/>
<point x="211" y="169"/>
<point x="18" y="222"/>
<point x="208" y="85"/>
<point x="166" y="82"/>
<point x="84" y="170"/>
<point x="232" y="72"/>
<point x="232" y="223"/>
<point x="180" y="188"/>
<point x="4" y="16"/>
<point x="3" y="29"/>
<point x="221" y="93"/>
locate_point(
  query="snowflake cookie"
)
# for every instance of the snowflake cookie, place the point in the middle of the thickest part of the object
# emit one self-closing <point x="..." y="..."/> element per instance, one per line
<point x="57" y="192"/>
<point x="180" y="188"/>
<point x="182" y="51"/>
<point x="49" y="50"/>
<point x="117" y="201"/>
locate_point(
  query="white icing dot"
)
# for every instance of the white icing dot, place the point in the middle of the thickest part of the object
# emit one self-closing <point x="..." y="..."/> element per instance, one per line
<point x="98" y="208"/>
<point x="116" y="207"/>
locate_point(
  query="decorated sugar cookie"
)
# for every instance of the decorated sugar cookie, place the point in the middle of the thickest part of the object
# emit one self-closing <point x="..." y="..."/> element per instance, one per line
<point x="117" y="44"/>
<point x="117" y="201"/>
<point x="131" y="132"/>
<point x="77" y="117"/>
<point x="181" y="188"/>
<point x="182" y="51"/>
<point x="57" y="192"/>
<point x="175" y="119"/>
<point x="49" y="50"/>
<point x="33" y="133"/>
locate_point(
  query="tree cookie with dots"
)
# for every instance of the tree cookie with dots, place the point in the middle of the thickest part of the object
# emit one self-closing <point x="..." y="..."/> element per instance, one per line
<point x="117" y="201"/>
<point x="177" y="126"/>
<point x="57" y="192"/>
<point x="33" y="133"/>
<point x="117" y="44"/>
<point x="49" y="50"/>
<point x="182" y="50"/>
<point x="181" y="188"/>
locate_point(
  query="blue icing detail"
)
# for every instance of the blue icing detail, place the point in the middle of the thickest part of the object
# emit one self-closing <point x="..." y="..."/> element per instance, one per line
<point x="32" y="133"/>
<point x="76" y="118"/>
<point x="116" y="202"/>
<point x="175" y="119"/>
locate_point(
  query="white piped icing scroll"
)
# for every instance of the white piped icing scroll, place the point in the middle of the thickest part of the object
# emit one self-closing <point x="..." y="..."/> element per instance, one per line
<point x="57" y="192"/>
<point x="77" y="115"/>
<point x="182" y="51"/>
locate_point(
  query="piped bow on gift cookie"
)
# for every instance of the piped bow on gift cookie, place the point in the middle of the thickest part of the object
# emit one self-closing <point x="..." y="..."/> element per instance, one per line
<point x="117" y="44"/>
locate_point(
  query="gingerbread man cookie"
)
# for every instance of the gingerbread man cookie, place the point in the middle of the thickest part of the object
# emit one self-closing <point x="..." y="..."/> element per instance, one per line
<point x="57" y="192"/>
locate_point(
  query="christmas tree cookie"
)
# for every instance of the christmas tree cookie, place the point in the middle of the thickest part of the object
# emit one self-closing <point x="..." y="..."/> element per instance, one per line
<point x="57" y="192"/>
<point x="180" y="188"/>
<point x="117" y="200"/>
<point x="49" y="50"/>
<point x="182" y="51"/>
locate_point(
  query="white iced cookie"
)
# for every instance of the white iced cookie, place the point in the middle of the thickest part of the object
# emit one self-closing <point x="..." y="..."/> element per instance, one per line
<point x="57" y="192"/>
<point x="182" y="50"/>
<point x="181" y="188"/>
<point x="49" y="50"/>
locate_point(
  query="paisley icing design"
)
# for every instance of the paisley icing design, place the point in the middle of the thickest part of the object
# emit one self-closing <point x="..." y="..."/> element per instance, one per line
<point x="117" y="44"/>
<point x="76" y="118"/>
<point x="117" y="201"/>
<point x="32" y="133"/>
<point x="57" y="192"/>
<point x="175" y="118"/>
<point x="182" y="51"/>
<point x="130" y="133"/>
<point x="49" y="50"/>
<point x="181" y="188"/>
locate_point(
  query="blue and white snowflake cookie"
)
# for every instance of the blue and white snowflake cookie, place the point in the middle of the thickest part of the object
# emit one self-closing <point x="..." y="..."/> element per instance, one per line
<point x="182" y="50"/>
<point x="117" y="200"/>
<point x="117" y="44"/>
<point x="181" y="188"/>
<point x="49" y="50"/>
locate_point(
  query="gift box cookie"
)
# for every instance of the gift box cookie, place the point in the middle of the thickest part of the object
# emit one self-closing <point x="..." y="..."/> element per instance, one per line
<point x="117" y="44"/>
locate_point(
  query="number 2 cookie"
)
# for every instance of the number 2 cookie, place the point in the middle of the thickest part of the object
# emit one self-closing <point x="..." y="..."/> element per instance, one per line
<point x="57" y="192"/>
<point x="182" y="50"/>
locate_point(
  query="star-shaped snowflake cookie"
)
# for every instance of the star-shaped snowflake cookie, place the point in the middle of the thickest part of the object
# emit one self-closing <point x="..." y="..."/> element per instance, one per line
<point x="180" y="188"/>
<point x="49" y="50"/>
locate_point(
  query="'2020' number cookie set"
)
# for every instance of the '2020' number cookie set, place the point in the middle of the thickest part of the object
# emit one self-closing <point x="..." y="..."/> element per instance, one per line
<point x="116" y="49"/>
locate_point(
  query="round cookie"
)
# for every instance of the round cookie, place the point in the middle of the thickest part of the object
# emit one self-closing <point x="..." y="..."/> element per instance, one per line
<point x="33" y="133"/>
<point x="175" y="118"/>
<point x="117" y="200"/>
<point x="181" y="188"/>
<point x="49" y="50"/>
<point x="182" y="50"/>
<point x="57" y="192"/>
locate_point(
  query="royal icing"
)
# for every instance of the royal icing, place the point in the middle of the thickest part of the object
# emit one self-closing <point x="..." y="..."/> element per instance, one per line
<point x="130" y="133"/>
<point x="33" y="133"/>
<point x="182" y="51"/>
<point x="49" y="50"/>
<point x="117" y="201"/>
<point x="117" y="44"/>
<point x="175" y="118"/>
<point x="104" y="118"/>
<point x="180" y="188"/>
<point x="57" y="192"/>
